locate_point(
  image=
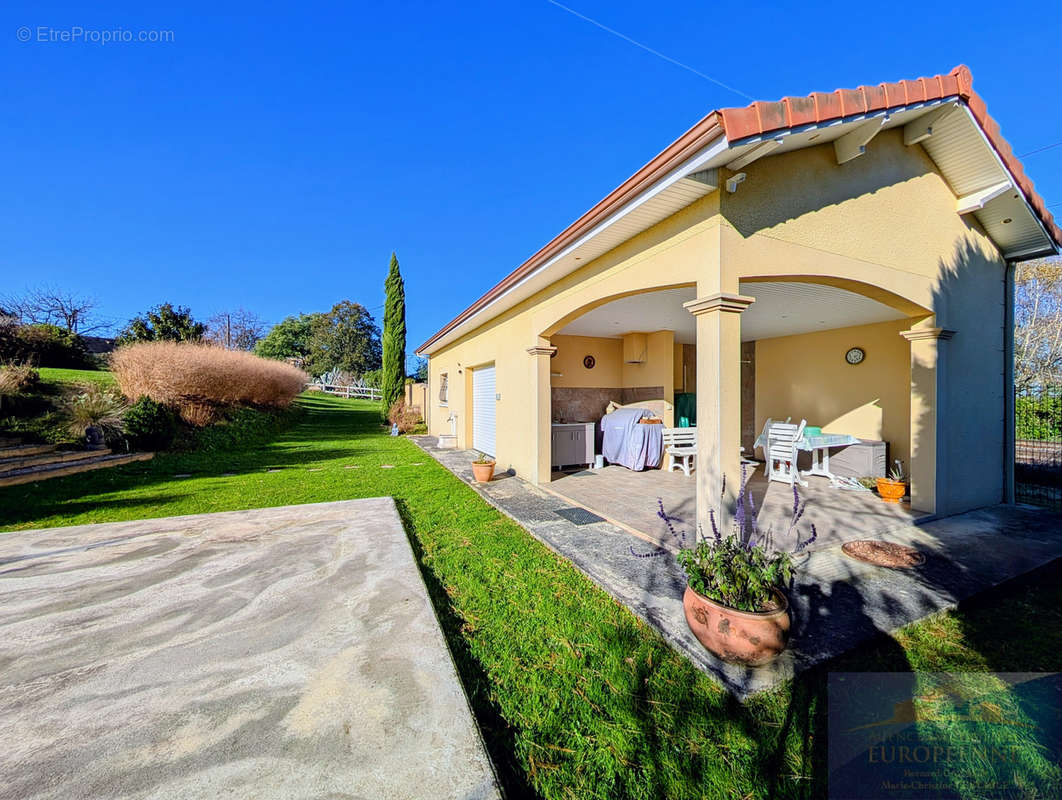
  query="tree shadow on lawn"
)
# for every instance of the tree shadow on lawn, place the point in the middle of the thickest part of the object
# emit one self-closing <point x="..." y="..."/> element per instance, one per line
<point x="29" y="501"/>
<point x="71" y="508"/>
<point x="351" y="432"/>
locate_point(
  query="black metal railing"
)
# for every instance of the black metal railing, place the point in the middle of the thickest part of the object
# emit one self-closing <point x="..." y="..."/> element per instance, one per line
<point x="1038" y="446"/>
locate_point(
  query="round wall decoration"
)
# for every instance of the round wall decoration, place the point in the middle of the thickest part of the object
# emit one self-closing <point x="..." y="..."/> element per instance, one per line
<point x="589" y="362"/>
<point x="855" y="355"/>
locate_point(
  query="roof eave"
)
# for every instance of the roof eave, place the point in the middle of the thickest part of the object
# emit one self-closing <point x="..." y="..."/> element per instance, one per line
<point x="738" y="125"/>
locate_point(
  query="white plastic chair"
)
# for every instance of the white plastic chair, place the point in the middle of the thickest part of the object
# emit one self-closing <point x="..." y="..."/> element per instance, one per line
<point x="763" y="436"/>
<point x="680" y="444"/>
<point x="782" y="438"/>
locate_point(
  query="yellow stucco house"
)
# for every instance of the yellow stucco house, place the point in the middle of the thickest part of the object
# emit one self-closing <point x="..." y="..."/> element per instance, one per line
<point x="741" y="265"/>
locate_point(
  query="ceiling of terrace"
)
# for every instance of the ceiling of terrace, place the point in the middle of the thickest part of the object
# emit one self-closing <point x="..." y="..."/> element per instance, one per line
<point x="781" y="309"/>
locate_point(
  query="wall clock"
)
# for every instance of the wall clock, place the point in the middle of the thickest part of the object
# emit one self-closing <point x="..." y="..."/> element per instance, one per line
<point x="589" y="362"/>
<point x="855" y="355"/>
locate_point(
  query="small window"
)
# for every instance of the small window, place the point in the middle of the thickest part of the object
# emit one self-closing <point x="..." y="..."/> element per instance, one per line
<point x="444" y="389"/>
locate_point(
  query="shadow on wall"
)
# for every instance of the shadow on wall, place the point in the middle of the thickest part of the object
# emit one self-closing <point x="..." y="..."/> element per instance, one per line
<point x="761" y="205"/>
<point x="969" y="300"/>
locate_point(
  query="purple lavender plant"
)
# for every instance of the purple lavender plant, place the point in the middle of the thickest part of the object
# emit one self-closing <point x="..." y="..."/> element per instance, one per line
<point x="677" y="536"/>
<point x="746" y="527"/>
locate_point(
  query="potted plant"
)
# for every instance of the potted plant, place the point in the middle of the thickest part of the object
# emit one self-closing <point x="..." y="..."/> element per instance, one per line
<point x="733" y="601"/>
<point x="893" y="488"/>
<point x="95" y="413"/>
<point x="483" y="468"/>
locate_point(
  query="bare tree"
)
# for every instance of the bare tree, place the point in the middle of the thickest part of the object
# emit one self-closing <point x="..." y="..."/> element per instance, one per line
<point x="1038" y="323"/>
<point x="235" y="330"/>
<point x="51" y="306"/>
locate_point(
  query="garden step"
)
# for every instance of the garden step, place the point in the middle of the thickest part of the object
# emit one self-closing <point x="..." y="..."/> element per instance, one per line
<point x="40" y="473"/>
<point x="19" y="450"/>
<point x="7" y="441"/>
<point x="51" y="457"/>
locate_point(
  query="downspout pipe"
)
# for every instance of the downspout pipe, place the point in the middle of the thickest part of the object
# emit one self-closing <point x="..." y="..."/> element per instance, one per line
<point x="427" y="397"/>
<point x="1008" y="384"/>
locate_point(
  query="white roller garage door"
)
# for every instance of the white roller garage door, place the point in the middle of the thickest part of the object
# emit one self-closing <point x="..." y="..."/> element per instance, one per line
<point x="483" y="404"/>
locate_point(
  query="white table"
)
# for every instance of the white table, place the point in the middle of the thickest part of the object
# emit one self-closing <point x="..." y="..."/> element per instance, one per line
<point x="819" y="447"/>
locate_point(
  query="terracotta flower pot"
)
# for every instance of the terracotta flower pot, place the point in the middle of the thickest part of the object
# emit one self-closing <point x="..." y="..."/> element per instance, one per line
<point x="752" y="638"/>
<point x="483" y="472"/>
<point x="891" y="491"/>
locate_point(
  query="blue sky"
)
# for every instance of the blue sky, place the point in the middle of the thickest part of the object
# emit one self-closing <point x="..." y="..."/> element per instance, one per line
<point x="271" y="159"/>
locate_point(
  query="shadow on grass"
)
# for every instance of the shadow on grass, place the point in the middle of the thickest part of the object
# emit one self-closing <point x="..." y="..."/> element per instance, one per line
<point x="320" y="434"/>
<point x="103" y="504"/>
<point x="773" y="745"/>
<point x="624" y="714"/>
<point x="498" y="736"/>
<point x="1018" y="625"/>
<point x="1013" y="627"/>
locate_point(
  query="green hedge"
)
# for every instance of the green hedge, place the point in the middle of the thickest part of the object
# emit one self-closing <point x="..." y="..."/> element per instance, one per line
<point x="44" y="346"/>
<point x="150" y="425"/>
<point x="1039" y="417"/>
<point x="241" y="427"/>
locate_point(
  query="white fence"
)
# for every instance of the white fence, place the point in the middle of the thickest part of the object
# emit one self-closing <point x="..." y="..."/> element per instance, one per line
<point x="358" y="392"/>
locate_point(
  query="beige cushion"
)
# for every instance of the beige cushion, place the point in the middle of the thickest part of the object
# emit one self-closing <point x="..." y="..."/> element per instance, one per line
<point x="657" y="407"/>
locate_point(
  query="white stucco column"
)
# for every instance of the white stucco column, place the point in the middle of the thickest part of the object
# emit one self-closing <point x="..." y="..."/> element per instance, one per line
<point x="718" y="405"/>
<point x="541" y="411"/>
<point x="928" y="469"/>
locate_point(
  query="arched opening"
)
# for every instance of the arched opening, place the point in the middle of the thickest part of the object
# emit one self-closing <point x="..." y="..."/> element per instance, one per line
<point x="622" y="349"/>
<point x="823" y="350"/>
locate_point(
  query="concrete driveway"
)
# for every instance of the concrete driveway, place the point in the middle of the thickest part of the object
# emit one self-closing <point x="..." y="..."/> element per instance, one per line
<point x="288" y="653"/>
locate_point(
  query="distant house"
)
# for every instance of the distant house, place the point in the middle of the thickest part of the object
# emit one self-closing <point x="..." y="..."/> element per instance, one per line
<point x="844" y="257"/>
<point x="99" y="345"/>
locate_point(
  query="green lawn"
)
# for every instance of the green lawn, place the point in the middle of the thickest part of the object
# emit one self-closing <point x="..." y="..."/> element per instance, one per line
<point x="56" y="375"/>
<point x="575" y="696"/>
<point x="37" y="415"/>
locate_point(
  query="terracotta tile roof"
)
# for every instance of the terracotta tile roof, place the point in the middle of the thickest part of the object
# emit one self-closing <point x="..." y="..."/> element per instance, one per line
<point x="763" y="117"/>
<point x="791" y="112"/>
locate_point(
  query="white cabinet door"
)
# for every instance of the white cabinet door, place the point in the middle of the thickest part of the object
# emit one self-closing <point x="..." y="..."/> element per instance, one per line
<point x="484" y="403"/>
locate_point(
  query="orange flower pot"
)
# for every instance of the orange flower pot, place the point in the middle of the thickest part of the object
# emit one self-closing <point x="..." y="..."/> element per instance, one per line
<point x="752" y="638"/>
<point x="891" y="491"/>
<point x="483" y="472"/>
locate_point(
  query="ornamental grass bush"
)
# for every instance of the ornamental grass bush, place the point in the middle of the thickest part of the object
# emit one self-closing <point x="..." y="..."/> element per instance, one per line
<point x="405" y="417"/>
<point x="17" y="378"/>
<point x="93" y="405"/>
<point x="200" y="381"/>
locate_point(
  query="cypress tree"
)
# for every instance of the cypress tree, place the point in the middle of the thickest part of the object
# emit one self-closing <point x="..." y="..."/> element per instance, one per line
<point x="393" y="372"/>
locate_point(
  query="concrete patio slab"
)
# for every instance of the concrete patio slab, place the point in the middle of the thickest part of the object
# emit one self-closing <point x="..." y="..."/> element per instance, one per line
<point x="837" y="603"/>
<point x="288" y="652"/>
